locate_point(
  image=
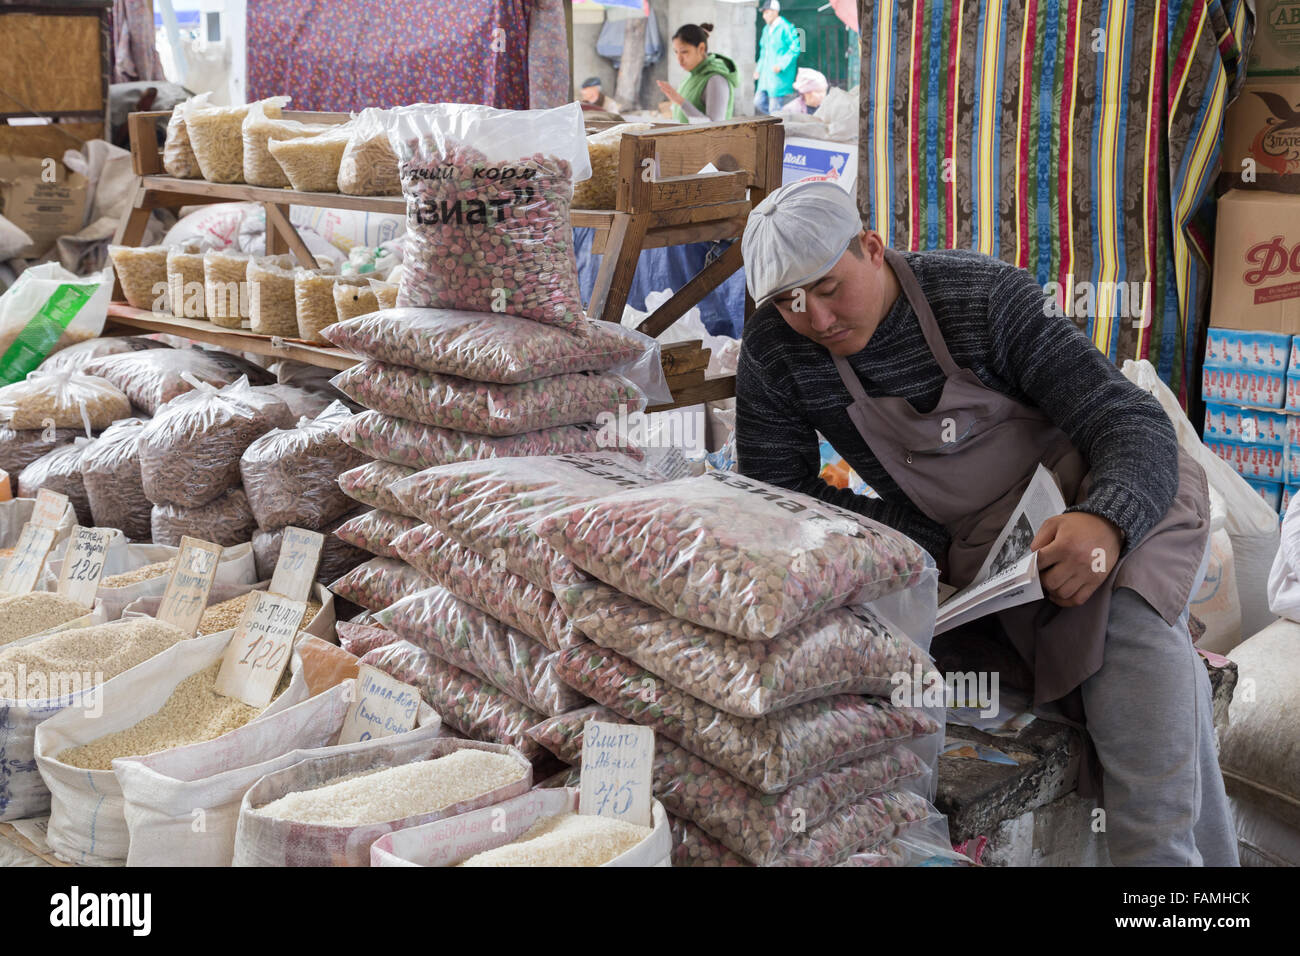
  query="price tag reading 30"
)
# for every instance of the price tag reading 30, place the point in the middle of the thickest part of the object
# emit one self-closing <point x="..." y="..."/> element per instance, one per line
<point x="24" y="567"/>
<point x="187" y="592"/>
<point x="617" y="765"/>
<point x="83" y="564"/>
<point x="259" y="650"/>
<point x="296" y="568"/>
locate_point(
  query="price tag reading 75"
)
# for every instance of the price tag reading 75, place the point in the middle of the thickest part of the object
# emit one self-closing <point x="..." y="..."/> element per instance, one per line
<point x="260" y="648"/>
<point x="617" y="766"/>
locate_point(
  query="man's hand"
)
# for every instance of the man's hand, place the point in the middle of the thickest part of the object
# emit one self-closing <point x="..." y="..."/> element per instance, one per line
<point x="1076" y="551"/>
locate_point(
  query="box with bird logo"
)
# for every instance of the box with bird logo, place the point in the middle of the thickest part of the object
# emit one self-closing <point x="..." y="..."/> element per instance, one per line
<point x="1261" y="137"/>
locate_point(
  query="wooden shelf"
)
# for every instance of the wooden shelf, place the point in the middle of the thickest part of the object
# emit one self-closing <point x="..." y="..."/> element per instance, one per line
<point x="166" y="191"/>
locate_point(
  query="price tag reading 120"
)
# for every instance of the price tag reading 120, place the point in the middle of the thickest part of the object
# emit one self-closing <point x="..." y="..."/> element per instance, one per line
<point x="83" y="565"/>
<point x="187" y="591"/>
<point x="259" y="650"/>
<point x="617" y="766"/>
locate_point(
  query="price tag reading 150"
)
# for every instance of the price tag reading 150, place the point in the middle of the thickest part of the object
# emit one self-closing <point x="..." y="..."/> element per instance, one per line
<point x="187" y="590"/>
<point x="259" y="650"/>
<point x="617" y="766"/>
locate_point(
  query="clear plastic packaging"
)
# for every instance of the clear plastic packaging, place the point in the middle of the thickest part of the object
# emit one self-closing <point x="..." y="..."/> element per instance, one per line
<point x="351" y="301"/>
<point x="768" y="753"/>
<point x="380" y="582"/>
<point x="217" y="138"/>
<point x="484" y="583"/>
<point x="142" y="270"/>
<point x="314" y="299"/>
<point x="60" y="471"/>
<point x="185" y="288"/>
<point x="152" y="378"/>
<point x="603" y="148"/>
<point x="369" y="484"/>
<point x="734" y="554"/>
<point x="75" y="357"/>
<point x="491" y="505"/>
<point x="226" y="521"/>
<point x="225" y="288"/>
<point x="488" y="193"/>
<point x="301" y="402"/>
<point x="311" y="163"/>
<point x="178" y="156"/>
<point x="20" y="449"/>
<point x="68" y="399"/>
<point x="385" y="293"/>
<point x="272" y="309"/>
<point x="190" y="452"/>
<point x="360" y="639"/>
<point x="260" y="166"/>
<point x="368" y="166"/>
<point x="489" y="409"/>
<point x="483" y="646"/>
<point x="110" y="470"/>
<point x="375" y="531"/>
<point x="337" y="557"/>
<point x="485" y="347"/>
<point x="291" y="474"/>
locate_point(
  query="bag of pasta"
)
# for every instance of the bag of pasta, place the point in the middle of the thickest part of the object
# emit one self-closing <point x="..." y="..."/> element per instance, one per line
<point x="142" y="270"/>
<point x="271" y="306"/>
<point x="226" y="520"/>
<point x="368" y="165"/>
<point x="311" y="162"/>
<point x="110" y="470"/>
<point x="217" y="138"/>
<point x="64" y="400"/>
<point x="225" y="288"/>
<point x="178" y="156"/>
<point x="260" y="167"/>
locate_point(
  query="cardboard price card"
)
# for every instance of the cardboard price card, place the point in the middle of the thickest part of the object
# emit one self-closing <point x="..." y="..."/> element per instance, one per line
<point x="50" y="506"/>
<point x="384" y="706"/>
<point x="24" y="568"/>
<point x="186" y="596"/>
<point x="83" y="564"/>
<point x="296" y="569"/>
<point x="259" y="650"/>
<point x="617" y="766"/>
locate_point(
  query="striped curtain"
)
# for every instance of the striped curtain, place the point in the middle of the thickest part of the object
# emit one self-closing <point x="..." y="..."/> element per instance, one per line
<point x="1078" y="139"/>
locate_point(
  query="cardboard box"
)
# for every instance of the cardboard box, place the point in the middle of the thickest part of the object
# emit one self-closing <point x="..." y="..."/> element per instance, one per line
<point x="1248" y="425"/>
<point x="43" y="199"/>
<point x="1237" y="387"/>
<point x="1257" y="262"/>
<point x="1292" y="401"/>
<point x="1262" y="126"/>
<point x="1288" y="492"/>
<point x="1270" y="491"/>
<point x="1253" y="351"/>
<point x="1253" y="462"/>
<point x="1276" y="47"/>
<point x="1294" y="365"/>
<point x="1292" y="472"/>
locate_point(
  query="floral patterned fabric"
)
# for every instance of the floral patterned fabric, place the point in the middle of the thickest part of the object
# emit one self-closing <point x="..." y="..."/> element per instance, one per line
<point x="548" y="56"/>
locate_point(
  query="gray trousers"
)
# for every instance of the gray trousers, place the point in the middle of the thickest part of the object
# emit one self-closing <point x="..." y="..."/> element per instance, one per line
<point x="1149" y="714"/>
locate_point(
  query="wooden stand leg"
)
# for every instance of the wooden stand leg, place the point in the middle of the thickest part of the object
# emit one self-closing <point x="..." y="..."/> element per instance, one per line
<point x="281" y="237"/>
<point x="617" y="267"/>
<point x="693" y="292"/>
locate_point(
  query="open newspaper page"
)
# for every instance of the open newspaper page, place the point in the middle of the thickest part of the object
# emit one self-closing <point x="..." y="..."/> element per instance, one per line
<point x="1009" y="575"/>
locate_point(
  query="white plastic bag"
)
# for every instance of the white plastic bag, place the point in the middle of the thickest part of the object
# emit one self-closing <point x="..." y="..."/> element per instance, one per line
<point x="178" y="155"/>
<point x="46" y="309"/>
<point x="1216" y="603"/>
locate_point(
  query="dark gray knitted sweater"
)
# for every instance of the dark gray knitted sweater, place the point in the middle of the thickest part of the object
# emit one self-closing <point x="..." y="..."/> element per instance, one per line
<point x="992" y="318"/>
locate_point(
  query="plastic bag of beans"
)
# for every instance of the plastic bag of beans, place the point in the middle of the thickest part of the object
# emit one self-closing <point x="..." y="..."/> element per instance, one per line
<point x="152" y="378"/>
<point x="178" y="156"/>
<point x="734" y="554"/>
<point x="491" y="505"/>
<point x="488" y="210"/>
<point x="486" y="408"/>
<point x="110" y="470"/>
<point x="469" y="706"/>
<point x="769" y="753"/>
<point x="311" y="163"/>
<point x="369" y="484"/>
<point x="380" y="582"/>
<point x="185" y="289"/>
<point x="419" y="446"/>
<point x="484" y="347"/>
<point x="68" y="399"/>
<point x="225" y="288"/>
<point x="291" y="474"/>
<point x="360" y="639"/>
<point x="75" y="357"/>
<point x="487" y="585"/>
<point x="845" y="651"/>
<point x="271" y="304"/>
<point x="142" y="270"/>
<point x="485" y="647"/>
<point x="260" y="167"/>
<point x="18" y="449"/>
<point x="351" y="301"/>
<point x="337" y="557"/>
<point x="368" y="166"/>
<point x="60" y="470"/>
<point x="226" y="520"/>
<point x="375" y="531"/>
<point x="190" y="451"/>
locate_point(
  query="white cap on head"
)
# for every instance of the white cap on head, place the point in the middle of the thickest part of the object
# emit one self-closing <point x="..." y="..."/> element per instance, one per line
<point x="796" y="235"/>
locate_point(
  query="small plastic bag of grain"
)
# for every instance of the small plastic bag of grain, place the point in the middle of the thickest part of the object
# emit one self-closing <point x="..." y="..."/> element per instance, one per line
<point x="260" y="167"/>
<point x="75" y="357"/>
<point x="311" y="162"/>
<point x="475" y="642"/>
<point x="486" y="347"/>
<point x="337" y="557"/>
<point x="368" y="165"/>
<point x="151" y="379"/>
<point x="420" y="446"/>
<point x="185" y="288"/>
<point x="271" y="306"/>
<point x="487" y="585"/>
<point x="446" y="401"/>
<point x="327" y="810"/>
<point x="369" y="484"/>
<point x="385" y="293"/>
<point x="314" y="300"/>
<point x="225" y="288"/>
<point x="60" y="471"/>
<point x="178" y="155"/>
<point x="227" y="520"/>
<point x="291" y="475"/>
<point x="351" y="301"/>
<point x="601" y="190"/>
<point x="490" y="505"/>
<point x="360" y="639"/>
<point x="142" y="270"/>
<point x="110" y="470"/>
<point x="217" y="138"/>
<point x="380" y="582"/>
<point x="375" y="531"/>
<point x="69" y="399"/>
<point x="22" y="615"/>
<point x="769" y="753"/>
<point x="190" y="451"/>
<point x="735" y="555"/>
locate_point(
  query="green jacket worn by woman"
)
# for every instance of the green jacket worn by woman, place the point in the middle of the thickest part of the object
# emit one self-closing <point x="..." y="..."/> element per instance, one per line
<point x="694" y="87"/>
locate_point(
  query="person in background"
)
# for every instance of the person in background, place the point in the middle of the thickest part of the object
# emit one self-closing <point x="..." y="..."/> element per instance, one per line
<point x="778" y="51"/>
<point x="811" y="86"/>
<point x="593" y="97"/>
<point x="709" y="92"/>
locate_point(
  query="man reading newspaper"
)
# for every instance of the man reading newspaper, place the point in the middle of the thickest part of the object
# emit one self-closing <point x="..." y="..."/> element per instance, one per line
<point x="946" y="382"/>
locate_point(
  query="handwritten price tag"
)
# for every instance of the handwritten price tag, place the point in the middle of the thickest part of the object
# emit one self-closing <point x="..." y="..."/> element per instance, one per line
<point x="24" y="567"/>
<point x="384" y="706"/>
<point x="83" y="564"/>
<point x="186" y="596"/>
<point x="259" y="650"/>
<point x="296" y="569"/>
<point x="50" y="506"/>
<point x="617" y="765"/>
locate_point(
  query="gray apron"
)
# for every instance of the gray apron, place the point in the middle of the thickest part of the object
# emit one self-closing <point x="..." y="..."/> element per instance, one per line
<point x="970" y="486"/>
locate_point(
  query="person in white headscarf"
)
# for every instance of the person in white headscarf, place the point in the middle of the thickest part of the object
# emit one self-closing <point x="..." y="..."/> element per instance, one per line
<point x="811" y="86"/>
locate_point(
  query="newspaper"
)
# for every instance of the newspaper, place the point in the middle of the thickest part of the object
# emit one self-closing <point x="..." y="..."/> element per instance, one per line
<point x="1009" y="575"/>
